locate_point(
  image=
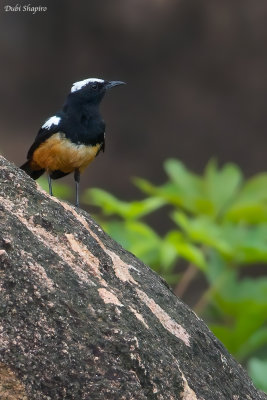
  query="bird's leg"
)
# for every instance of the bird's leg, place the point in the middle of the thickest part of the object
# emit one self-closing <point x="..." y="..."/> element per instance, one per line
<point x="77" y="181"/>
<point x="50" y="185"/>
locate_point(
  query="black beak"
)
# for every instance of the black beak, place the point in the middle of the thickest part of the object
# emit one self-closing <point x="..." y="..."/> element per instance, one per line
<point x="111" y="84"/>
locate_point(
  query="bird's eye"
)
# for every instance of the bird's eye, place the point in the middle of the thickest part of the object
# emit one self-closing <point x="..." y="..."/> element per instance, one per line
<point x="94" y="86"/>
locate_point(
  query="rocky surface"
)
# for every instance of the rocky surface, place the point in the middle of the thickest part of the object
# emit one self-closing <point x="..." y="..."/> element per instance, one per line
<point x="81" y="318"/>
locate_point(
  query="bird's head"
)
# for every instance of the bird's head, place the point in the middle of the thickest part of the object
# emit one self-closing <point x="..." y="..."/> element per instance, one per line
<point x="92" y="90"/>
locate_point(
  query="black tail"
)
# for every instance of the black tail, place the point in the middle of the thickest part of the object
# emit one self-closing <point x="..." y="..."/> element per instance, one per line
<point x="33" y="174"/>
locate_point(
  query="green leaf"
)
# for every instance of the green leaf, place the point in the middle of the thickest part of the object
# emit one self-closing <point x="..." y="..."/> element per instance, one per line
<point x="246" y="302"/>
<point x="186" y="250"/>
<point x="221" y="185"/>
<point x="218" y="272"/>
<point x="220" y="277"/>
<point x="189" y="188"/>
<point x="169" y="192"/>
<point x="248" y="322"/>
<point x="186" y="181"/>
<point x="256" y="341"/>
<point x="203" y="230"/>
<point x="246" y="291"/>
<point x="257" y="369"/>
<point x="145" y="186"/>
<point x="251" y="203"/>
<point x="168" y="255"/>
<point x="110" y="205"/>
<point x="240" y="244"/>
<point x="250" y="212"/>
<point x="237" y="335"/>
<point x="249" y="243"/>
<point x="255" y="188"/>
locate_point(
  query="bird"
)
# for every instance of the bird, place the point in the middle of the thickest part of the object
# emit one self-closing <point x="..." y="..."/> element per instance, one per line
<point x="69" y="140"/>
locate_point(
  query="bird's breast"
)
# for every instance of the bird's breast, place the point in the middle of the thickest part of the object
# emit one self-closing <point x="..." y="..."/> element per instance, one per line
<point x="60" y="153"/>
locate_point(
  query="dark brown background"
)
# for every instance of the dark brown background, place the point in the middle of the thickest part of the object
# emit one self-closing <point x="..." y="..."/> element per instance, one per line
<point x="196" y="74"/>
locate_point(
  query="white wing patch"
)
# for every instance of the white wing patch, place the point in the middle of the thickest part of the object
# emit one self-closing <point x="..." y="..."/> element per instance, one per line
<point x="51" y="121"/>
<point x="79" y="85"/>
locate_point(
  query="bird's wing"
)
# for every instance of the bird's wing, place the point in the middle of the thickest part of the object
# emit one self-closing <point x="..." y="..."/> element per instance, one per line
<point x="50" y="127"/>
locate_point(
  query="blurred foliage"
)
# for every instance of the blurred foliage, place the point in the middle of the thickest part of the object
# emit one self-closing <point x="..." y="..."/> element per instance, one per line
<point x="219" y="226"/>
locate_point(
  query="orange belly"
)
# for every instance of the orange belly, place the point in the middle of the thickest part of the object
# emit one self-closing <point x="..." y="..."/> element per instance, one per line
<point x="59" y="153"/>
